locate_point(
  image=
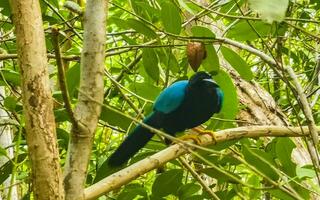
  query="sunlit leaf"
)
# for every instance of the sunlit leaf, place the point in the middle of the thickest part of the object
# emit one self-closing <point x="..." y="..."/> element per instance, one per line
<point x="237" y="63"/>
<point x="242" y="31"/>
<point x="284" y="148"/>
<point x="141" y="28"/>
<point x="271" y="10"/>
<point x="150" y="63"/>
<point x="170" y="17"/>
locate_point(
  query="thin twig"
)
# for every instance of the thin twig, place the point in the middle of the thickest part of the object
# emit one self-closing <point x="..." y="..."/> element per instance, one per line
<point x="198" y="178"/>
<point x="61" y="76"/>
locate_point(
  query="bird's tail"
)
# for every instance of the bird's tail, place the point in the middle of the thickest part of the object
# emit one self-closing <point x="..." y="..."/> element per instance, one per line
<point x="134" y="142"/>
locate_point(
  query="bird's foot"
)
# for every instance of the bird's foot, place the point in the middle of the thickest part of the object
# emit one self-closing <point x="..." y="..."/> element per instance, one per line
<point x="193" y="137"/>
<point x="206" y="132"/>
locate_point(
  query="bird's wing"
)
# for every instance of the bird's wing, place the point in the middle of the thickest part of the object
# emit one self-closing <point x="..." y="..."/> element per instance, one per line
<point x="171" y="97"/>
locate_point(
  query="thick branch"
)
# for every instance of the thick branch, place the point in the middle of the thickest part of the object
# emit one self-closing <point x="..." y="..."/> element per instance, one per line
<point x="130" y="173"/>
<point x="87" y="112"/>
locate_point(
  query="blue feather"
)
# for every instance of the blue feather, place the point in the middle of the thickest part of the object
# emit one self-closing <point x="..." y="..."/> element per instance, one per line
<point x="171" y="98"/>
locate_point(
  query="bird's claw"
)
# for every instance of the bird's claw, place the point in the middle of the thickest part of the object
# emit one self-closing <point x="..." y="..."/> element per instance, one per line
<point x="193" y="137"/>
<point x="206" y="132"/>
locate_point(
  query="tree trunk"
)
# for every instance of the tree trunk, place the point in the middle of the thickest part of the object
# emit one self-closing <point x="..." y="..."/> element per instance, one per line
<point x="90" y="99"/>
<point x="262" y="109"/>
<point x="37" y="100"/>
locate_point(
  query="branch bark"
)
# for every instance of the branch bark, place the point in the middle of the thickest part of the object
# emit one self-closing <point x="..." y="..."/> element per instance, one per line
<point x="37" y="100"/>
<point x="137" y="169"/>
<point x="87" y="112"/>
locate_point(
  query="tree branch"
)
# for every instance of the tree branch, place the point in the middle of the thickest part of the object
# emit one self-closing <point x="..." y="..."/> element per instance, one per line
<point x="87" y="112"/>
<point x="139" y="168"/>
<point x="62" y="77"/>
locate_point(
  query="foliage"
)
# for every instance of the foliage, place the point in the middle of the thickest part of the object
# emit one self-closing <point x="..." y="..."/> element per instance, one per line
<point x="146" y="43"/>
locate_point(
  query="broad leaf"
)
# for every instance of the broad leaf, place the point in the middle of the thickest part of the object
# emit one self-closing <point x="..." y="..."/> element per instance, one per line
<point x="141" y="28"/>
<point x="242" y="31"/>
<point x="9" y="76"/>
<point x="167" y="183"/>
<point x="131" y="191"/>
<point x="187" y="190"/>
<point x="284" y="148"/>
<point x="150" y="63"/>
<point x="230" y="103"/>
<point x="271" y="10"/>
<point x="220" y="176"/>
<point x="73" y="79"/>
<point x="261" y="161"/>
<point x="10" y="103"/>
<point x="114" y="118"/>
<point x="237" y="63"/>
<point x="170" y="17"/>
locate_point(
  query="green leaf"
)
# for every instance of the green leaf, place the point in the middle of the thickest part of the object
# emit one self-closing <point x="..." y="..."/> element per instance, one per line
<point x="144" y="10"/>
<point x="255" y="181"/>
<point x="9" y="76"/>
<point x="167" y="183"/>
<point x="170" y="17"/>
<point x="256" y="158"/>
<point x="145" y="90"/>
<point x="5" y="7"/>
<point x="141" y="28"/>
<point x="73" y="79"/>
<point x="230" y="103"/>
<point x="10" y="103"/>
<point x="132" y="191"/>
<point x="221" y="177"/>
<point x="284" y="148"/>
<point x="186" y="7"/>
<point x="242" y="31"/>
<point x="150" y="63"/>
<point x="63" y="138"/>
<point x="271" y="10"/>
<point x="188" y="190"/>
<point x="122" y="24"/>
<point x="280" y="194"/>
<point x="172" y="63"/>
<point x="211" y="62"/>
<point x="3" y="152"/>
<point x="6" y="168"/>
<point x="201" y="31"/>
<point x="114" y="118"/>
<point x="61" y="115"/>
<point x="237" y="63"/>
<point x="305" y="172"/>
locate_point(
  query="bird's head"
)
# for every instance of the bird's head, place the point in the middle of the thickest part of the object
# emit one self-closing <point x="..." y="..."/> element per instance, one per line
<point x="201" y="78"/>
<point x="204" y="80"/>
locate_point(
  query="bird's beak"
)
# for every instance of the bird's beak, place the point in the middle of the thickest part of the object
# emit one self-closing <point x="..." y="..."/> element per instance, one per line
<point x="209" y="80"/>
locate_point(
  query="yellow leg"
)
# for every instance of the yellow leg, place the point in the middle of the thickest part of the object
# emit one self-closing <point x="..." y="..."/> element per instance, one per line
<point x="193" y="137"/>
<point x="206" y="132"/>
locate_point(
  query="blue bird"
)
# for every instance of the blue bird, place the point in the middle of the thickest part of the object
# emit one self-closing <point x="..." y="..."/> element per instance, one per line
<point x="183" y="105"/>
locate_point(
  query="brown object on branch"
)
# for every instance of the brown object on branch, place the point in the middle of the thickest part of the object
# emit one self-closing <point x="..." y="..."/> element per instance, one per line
<point x="37" y="101"/>
<point x="196" y="52"/>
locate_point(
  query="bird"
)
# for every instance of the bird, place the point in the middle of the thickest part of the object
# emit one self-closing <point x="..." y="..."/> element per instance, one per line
<point x="183" y="105"/>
